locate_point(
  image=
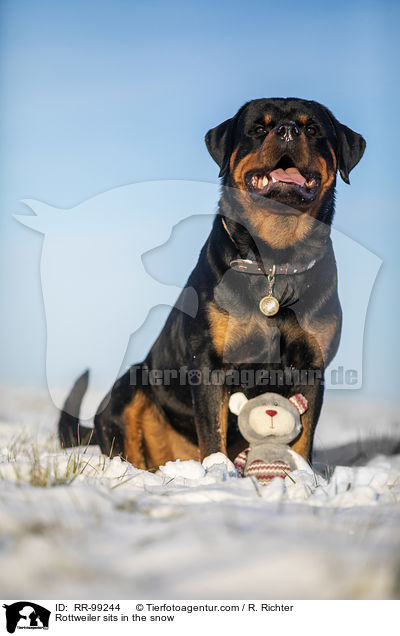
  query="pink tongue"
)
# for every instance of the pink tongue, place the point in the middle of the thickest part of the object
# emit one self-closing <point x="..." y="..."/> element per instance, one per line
<point x="290" y="175"/>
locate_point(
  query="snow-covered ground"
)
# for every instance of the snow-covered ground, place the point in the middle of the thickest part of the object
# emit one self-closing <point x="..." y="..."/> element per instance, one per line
<point x="78" y="525"/>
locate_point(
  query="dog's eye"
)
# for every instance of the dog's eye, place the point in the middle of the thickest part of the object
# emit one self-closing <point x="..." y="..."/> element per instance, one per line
<point x="311" y="131"/>
<point x="259" y="130"/>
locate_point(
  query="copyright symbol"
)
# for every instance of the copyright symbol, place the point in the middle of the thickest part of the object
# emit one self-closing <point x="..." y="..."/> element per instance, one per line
<point x="139" y="607"/>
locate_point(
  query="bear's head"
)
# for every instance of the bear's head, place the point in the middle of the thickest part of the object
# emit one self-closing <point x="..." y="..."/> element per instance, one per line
<point x="268" y="415"/>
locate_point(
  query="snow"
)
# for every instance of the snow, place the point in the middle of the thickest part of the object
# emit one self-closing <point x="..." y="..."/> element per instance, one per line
<point x="76" y="524"/>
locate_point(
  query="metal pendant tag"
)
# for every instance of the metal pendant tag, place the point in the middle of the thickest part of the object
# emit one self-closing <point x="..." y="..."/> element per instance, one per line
<point x="269" y="305"/>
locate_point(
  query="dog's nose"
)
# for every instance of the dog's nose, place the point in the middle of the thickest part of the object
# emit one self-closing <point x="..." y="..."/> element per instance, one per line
<point x="287" y="130"/>
<point x="271" y="413"/>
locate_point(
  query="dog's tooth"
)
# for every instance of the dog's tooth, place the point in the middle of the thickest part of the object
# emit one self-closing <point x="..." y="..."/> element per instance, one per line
<point x="274" y="180"/>
<point x="264" y="182"/>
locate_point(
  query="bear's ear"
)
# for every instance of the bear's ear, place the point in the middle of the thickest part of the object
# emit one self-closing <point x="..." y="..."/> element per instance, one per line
<point x="299" y="402"/>
<point x="237" y="402"/>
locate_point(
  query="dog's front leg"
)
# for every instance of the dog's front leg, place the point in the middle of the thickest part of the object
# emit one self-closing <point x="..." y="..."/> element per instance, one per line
<point x="314" y="395"/>
<point x="210" y="406"/>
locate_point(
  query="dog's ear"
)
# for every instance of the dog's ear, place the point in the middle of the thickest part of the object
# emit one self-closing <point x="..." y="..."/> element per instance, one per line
<point x="219" y="142"/>
<point x="350" y="147"/>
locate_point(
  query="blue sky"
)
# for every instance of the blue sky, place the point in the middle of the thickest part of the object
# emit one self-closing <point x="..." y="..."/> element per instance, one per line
<point x="100" y="94"/>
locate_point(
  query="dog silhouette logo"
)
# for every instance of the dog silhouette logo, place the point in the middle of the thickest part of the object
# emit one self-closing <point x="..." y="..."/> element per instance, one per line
<point x="26" y="615"/>
<point x="107" y="262"/>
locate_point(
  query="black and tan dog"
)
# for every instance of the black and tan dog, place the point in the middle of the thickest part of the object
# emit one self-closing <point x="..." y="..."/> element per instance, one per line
<point x="269" y="316"/>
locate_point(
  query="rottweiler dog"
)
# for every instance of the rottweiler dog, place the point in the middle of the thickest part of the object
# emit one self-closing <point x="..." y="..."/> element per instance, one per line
<point x="269" y="317"/>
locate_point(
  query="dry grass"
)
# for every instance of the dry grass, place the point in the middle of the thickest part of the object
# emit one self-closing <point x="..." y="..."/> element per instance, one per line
<point x="46" y="470"/>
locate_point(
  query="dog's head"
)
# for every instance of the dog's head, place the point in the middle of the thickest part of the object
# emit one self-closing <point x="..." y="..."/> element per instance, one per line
<point x="283" y="155"/>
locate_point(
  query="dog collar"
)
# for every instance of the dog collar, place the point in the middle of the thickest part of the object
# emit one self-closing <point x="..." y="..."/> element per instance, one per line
<point x="269" y="305"/>
<point x="248" y="266"/>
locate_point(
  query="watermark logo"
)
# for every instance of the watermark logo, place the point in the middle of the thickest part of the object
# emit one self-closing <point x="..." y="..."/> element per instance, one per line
<point x="26" y="615"/>
<point x="142" y="376"/>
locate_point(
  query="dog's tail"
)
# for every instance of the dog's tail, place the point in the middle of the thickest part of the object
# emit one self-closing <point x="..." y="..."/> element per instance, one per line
<point x="70" y="431"/>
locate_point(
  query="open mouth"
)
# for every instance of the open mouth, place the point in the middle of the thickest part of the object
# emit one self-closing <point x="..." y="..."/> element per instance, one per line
<point x="283" y="181"/>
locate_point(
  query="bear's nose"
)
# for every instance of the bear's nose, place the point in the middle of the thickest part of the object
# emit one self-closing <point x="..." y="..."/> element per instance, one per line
<point x="271" y="413"/>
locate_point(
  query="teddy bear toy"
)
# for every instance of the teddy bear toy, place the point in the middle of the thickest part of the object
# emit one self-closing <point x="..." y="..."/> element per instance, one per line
<point x="269" y="422"/>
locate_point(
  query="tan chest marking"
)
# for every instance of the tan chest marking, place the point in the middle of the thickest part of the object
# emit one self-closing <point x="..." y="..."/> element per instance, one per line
<point x="324" y="332"/>
<point x="228" y="331"/>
